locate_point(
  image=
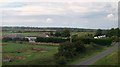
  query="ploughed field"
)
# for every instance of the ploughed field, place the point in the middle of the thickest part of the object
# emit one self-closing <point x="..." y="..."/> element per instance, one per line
<point x="25" y="54"/>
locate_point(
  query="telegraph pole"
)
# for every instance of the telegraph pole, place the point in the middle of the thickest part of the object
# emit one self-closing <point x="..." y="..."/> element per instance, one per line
<point x="70" y="37"/>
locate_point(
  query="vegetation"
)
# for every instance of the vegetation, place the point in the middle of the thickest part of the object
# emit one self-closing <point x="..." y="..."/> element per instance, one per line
<point x="4" y="33"/>
<point x="24" y="52"/>
<point x="82" y="45"/>
<point x="113" y="32"/>
<point x="89" y="39"/>
<point x="91" y="50"/>
<point x="69" y="50"/>
<point x="64" y="33"/>
<point x="51" y="39"/>
<point x="99" y="32"/>
<point x="8" y="39"/>
<point x="111" y="59"/>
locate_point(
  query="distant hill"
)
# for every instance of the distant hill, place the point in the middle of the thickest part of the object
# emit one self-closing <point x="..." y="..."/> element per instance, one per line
<point x="28" y="29"/>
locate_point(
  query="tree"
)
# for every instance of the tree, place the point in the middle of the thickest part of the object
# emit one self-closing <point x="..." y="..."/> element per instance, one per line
<point x="113" y="32"/>
<point x="79" y="45"/>
<point x="98" y="32"/>
<point x="65" y="33"/>
<point x="116" y="32"/>
<point x="51" y="34"/>
<point x="67" y="50"/>
<point x="57" y="33"/>
<point x="74" y="38"/>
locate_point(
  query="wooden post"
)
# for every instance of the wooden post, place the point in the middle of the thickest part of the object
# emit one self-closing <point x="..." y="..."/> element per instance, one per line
<point x="70" y="38"/>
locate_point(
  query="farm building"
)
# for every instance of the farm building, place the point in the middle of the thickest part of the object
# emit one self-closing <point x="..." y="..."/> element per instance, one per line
<point x="97" y="37"/>
<point x="31" y="39"/>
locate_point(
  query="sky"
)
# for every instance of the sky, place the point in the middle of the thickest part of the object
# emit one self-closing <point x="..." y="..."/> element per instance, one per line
<point x="66" y="13"/>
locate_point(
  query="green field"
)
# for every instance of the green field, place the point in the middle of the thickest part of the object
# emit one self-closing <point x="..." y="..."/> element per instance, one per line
<point x="111" y="59"/>
<point x="82" y="34"/>
<point x="24" y="34"/>
<point x="23" y="54"/>
<point x="38" y="33"/>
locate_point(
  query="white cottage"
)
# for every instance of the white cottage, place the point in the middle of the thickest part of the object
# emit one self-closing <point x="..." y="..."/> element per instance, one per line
<point x="98" y="37"/>
<point x="31" y="39"/>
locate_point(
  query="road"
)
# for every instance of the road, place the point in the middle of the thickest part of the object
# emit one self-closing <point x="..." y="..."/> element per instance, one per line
<point x="95" y="58"/>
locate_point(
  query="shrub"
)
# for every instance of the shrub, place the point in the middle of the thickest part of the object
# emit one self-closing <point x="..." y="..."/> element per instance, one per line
<point x="67" y="49"/>
<point x="115" y="38"/>
<point x="79" y="47"/>
<point x="103" y="41"/>
<point x="6" y="39"/>
<point x="86" y="40"/>
<point x="61" y="60"/>
<point x="51" y="39"/>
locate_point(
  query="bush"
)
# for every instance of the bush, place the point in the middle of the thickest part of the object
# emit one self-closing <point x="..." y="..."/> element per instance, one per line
<point x="80" y="48"/>
<point x="86" y="40"/>
<point x="6" y="39"/>
<point x="103" y="41"/>
<point x="61" y="60"/>
<point x="51" y="39"/>
<point x="67" y="49"/>
<point x="115" y="38"/>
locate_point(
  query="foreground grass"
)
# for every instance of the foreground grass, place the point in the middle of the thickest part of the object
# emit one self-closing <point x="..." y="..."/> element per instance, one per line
<point x="111" y="59"/>
<point x="28" y="56"/>
<point x="0" y="55"/>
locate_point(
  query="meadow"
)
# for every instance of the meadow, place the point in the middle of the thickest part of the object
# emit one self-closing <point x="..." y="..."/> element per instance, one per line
<point x="42" y="53"/>
<point x="80" y="34"/>
<point x="24" y="52"/>
<point x="19" y="52"/>
<point x="24" y="33"/>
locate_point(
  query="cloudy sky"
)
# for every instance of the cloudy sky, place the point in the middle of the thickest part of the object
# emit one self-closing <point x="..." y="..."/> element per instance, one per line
<point x="59" y="14"/>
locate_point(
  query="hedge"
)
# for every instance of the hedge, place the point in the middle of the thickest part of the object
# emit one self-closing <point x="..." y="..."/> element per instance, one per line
<point x="105" y="41"/>
<point x="7" y="39"/>
<point x="51" y="39"/>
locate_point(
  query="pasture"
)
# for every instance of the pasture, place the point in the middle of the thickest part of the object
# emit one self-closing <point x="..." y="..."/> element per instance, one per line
<point x="32" y="54"/>
<point x="24" y="34"/>
<point x="82" y="34"/>
<point x="28" y="54"/>
<point x="38" y="33"/>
